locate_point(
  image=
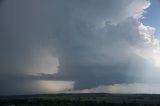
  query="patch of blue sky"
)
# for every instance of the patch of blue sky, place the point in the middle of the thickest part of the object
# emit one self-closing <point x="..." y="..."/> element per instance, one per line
<point x="152" y="16"/>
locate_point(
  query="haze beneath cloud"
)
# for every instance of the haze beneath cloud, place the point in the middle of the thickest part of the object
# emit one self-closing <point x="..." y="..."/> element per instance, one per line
<point x="50" y="46"/>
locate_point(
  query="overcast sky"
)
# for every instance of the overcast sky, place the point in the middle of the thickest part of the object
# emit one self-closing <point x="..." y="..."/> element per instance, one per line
<point x="50" y="46"/>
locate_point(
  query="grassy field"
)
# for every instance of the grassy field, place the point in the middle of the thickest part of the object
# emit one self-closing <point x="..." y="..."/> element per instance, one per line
<point x="97" y="99"/>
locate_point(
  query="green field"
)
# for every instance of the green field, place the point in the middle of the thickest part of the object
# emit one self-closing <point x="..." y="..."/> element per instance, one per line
<point x="97" y="99"/>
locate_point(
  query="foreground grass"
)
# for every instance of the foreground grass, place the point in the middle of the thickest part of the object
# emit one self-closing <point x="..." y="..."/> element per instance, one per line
<point x="81" y="100"/>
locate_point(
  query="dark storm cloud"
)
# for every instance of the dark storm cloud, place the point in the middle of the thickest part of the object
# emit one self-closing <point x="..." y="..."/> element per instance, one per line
<point x="1" y="1"/>
<point x="93" y="40"/>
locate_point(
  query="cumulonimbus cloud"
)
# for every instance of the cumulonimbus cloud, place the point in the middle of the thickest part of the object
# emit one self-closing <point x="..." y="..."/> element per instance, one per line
<point x="89" y="42"/>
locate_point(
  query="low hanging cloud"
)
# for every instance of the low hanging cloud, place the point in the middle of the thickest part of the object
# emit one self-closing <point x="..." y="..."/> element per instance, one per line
<point x="133" y="88"/>
<point x="86" y="43"/>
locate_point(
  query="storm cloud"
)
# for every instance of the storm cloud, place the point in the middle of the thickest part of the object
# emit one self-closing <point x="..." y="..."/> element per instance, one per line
<point x="80" y="43"/>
